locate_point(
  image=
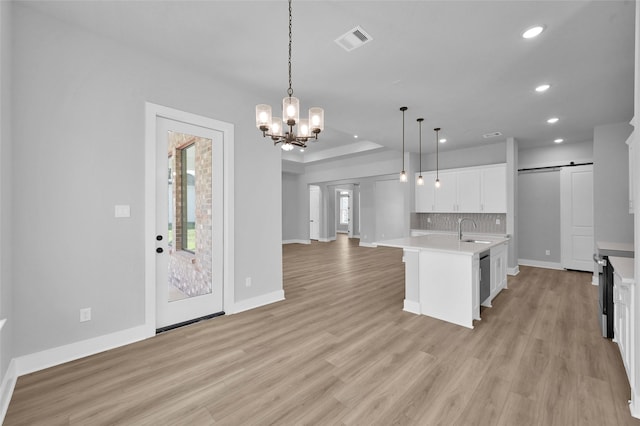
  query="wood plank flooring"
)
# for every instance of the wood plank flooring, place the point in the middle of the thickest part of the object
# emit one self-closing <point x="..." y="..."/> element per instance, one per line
<point x="340" y="350"/>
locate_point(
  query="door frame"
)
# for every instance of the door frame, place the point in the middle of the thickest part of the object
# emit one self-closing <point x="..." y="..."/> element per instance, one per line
<point x="314" y="188"/>
<point x="152" y="112"/>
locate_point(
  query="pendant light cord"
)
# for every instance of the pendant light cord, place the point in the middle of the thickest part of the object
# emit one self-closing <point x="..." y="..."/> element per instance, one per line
<point x="290" y="90"/>
<point x="420" y="158"/>
<point x="437" y="143"/>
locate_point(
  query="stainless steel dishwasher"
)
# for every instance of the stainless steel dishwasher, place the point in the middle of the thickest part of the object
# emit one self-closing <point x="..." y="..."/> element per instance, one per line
<point x="485" y="276"/>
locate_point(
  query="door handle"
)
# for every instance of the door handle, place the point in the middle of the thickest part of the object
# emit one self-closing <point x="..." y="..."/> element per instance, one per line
<point x="159" y="250"/>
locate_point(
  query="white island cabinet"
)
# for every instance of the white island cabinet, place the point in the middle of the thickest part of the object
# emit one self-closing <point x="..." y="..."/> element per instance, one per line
<point x="442" y="275"/>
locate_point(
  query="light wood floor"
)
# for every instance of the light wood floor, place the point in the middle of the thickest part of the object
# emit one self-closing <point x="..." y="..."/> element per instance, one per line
<point x="340" y="350"/>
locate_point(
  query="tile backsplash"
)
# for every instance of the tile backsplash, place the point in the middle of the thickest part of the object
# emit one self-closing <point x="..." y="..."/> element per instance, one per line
<point x="486" y="222"/>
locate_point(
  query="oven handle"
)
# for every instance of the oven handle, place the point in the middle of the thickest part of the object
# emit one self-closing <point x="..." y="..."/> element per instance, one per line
<point x="600" y="261"/>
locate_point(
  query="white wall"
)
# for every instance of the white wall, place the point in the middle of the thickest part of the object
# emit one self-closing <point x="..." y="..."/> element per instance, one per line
<point x="6" y="185"/>
<point x="612" y="221"/>
<point x="78" y="127"/>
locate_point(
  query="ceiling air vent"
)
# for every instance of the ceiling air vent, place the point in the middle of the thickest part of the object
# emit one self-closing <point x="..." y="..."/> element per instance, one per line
<point x="491" y="135"/>
<point x="353" y="39"/>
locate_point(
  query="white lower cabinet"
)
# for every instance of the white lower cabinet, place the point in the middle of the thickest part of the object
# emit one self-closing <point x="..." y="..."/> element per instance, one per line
<point x="498" y="257"/>
<point x="622" y="327"/>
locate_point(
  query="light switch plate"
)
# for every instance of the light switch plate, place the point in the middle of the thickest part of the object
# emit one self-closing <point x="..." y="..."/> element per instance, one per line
<point x="123" y="211"/>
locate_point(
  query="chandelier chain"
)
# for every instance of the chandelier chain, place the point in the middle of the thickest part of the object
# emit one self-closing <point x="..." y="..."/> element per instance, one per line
<point x="290" y="90"/>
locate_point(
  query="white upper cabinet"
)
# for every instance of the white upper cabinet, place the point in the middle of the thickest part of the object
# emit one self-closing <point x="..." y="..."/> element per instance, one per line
<point x="494" y="189"/>
<point x="447" y="193"/>
<point x="425" y="194"/>
<point x="469" y="190"/>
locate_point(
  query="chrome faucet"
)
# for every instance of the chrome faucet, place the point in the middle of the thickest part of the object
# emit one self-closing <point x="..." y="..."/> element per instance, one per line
<point x="462" y="219"/>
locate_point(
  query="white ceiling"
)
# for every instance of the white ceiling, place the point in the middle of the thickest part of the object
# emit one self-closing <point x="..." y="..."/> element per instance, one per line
<point x="462" y="65"/>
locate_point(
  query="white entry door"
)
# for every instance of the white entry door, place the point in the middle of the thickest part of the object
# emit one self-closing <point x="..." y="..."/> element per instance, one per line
<point x="189" y="222"/>
<point x="576" y="206"/>
<point x="314" y="212"/>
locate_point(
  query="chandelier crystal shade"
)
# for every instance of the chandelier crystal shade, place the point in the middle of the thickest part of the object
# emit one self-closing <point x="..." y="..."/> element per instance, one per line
<point x="281" y="130"/>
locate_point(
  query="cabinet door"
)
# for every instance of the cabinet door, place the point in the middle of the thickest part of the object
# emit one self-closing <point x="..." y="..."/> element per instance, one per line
<point x="494" y="189"/>
<point x="468" y="191"/>
<point x="446" y="195"/>
<point x="425" y="194"/>
<point x="632" y="172"/>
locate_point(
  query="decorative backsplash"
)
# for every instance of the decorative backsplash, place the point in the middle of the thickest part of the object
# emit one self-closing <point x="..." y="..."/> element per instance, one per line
<point x="486" y="222"/>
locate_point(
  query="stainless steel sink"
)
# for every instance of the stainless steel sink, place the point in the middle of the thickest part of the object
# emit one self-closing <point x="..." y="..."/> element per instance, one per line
<point x="477" y="241"/>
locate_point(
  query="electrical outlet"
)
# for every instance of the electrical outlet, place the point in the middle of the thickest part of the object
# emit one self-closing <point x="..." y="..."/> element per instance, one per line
<point x="428" y="220"/>
<point x="247" y="282"/>
<point x="548" y="252"/>
<point x="85" y="314"/>
<point x="497" y="221"/>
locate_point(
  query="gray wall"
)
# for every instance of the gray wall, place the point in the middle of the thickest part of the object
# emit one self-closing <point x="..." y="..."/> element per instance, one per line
<point x="538" y="198"/>
<point x="390" y="211"/>
<point x="539" y="220"/>
<point x="467" y="157"/>
<point x="292" y="202"/>
<point x="78" y="127"/>
<point x="611" y="183"/>
<point x="6" y="185"/>
<point x="557" y="154"/>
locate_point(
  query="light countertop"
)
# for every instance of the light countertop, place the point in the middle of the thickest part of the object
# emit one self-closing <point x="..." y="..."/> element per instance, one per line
<point x="609" y="248"/>
<point x="623" y="266"/>
<point x="445" y="243"/>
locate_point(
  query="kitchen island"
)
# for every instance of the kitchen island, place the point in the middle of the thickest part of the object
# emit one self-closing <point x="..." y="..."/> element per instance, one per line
<point x="442" y="274"/>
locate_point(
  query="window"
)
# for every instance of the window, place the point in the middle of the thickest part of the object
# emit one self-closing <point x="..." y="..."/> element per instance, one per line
<point x="344" y="209"/>
<point x="188" y="180"/>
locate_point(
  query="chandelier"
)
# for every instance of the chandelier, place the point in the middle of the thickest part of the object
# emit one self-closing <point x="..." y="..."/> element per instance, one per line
<point x="281" y="130"/>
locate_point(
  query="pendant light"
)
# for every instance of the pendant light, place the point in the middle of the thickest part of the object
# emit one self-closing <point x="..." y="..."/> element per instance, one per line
<point x="273" y="126"/>
<point x="403" y="174"/>
<point x="437" y="129"/>
<point x="420" y="179"/>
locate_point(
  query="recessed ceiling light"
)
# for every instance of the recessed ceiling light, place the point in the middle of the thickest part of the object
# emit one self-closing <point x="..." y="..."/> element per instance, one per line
<point x="355" y="136"/>
<point x="443" y="140"/>
<point x="559" y="140"/>
<point x="533" y="32"/>
<point x="301" y="149"/>
<point x="553" y="120"/>
<point x="543" y="88"/>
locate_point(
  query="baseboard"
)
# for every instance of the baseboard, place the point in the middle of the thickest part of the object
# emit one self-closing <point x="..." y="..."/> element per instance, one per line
<point x="51" y="357"/>
<point x="296" y="241"/>
<point x="6" y="389"/>
<point x="367" y="245"/>
<point x="540" y="264"/>
<point x="513" y="271"/>
<point x="411" y="307"/>
<point x="326" y="240"/>
<point x="634" y="404"/>
<point x="256" y="302"/>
